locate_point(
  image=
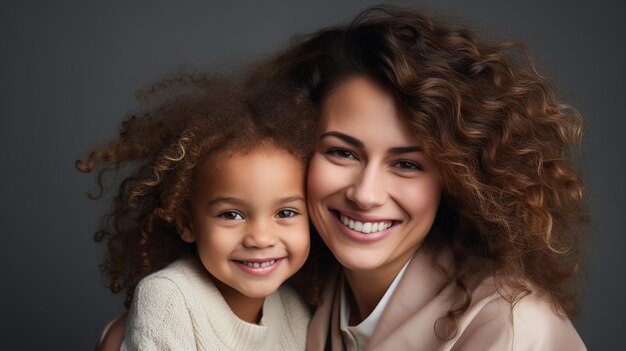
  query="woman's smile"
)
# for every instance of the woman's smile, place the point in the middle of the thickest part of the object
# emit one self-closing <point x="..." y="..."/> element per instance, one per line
<point x="363" y="228"/>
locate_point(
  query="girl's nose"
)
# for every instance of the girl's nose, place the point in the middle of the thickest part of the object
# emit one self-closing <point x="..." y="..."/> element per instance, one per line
<point x="368" y="189"/>
<point x="259" y="235"/>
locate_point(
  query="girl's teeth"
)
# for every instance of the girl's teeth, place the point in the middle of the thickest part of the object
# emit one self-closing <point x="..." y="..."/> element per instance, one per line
<point x="259" y="264"/>
<point x="364" y="227"/>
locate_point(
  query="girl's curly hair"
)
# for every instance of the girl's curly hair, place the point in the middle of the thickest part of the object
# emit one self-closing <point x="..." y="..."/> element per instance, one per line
<point x="512" y="200"/>
<point x="195" y="116"/>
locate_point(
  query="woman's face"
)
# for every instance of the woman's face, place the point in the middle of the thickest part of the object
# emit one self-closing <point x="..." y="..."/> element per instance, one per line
<point x="372" y="194"/>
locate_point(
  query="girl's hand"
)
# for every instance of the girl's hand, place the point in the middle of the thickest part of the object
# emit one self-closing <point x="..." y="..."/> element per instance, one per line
<point x="113" y="334"/>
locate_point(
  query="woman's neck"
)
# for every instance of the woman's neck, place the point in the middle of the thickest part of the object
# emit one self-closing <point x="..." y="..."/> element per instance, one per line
<point x="369" y="286"/>
<point x="246" y="308"/>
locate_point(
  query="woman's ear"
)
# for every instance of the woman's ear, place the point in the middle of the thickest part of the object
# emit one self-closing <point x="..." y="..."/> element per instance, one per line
<point x="184" y="226"/>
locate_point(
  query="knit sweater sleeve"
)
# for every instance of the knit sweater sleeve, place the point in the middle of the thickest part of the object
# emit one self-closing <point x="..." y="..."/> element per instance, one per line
<point x="159" y="317"/>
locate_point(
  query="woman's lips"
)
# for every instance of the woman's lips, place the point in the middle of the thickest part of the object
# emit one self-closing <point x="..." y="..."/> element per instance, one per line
<point x="259" y="266"/>
<point x="363" y="229"/>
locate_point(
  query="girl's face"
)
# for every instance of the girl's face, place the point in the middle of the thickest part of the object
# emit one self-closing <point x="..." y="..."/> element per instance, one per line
<point x="372" y="194"/>
<point x="249" y="220"/>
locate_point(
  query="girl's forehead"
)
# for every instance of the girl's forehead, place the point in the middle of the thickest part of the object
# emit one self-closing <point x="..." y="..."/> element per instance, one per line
<point x="246" y="174"/>
<point x="264" y="149"/>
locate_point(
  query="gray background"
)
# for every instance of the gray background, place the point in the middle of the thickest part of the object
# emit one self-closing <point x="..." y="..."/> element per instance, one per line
<point x="68" y="73"/>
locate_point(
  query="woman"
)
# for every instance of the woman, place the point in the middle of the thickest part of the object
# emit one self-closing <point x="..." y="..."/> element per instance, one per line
<point x="443" y="186"/>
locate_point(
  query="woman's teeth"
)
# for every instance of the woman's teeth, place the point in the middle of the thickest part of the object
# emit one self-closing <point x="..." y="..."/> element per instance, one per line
<point x="364" y="227"/>
<point x="259" y="264"/>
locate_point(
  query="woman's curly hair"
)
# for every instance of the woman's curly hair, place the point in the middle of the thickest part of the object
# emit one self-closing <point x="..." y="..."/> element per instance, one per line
<point x="195" y="116"/>
<point x="512" y="199"/>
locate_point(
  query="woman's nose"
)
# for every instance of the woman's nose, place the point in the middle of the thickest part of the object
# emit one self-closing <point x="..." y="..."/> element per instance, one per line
<point x="368" y="189"/>
<point x="259" y="235"/>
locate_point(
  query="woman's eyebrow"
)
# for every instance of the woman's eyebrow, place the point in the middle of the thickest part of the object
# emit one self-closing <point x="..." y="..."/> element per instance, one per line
<point x="404" y="150"/>
<point x="348" y="139"/>
<point x="356" y="142"/>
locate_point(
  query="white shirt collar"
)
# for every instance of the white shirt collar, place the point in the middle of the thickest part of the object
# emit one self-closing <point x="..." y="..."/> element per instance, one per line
<point x="356" y="337"/>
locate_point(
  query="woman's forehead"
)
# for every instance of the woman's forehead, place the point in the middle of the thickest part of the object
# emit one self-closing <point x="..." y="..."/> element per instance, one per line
<point x="361" y="109"/>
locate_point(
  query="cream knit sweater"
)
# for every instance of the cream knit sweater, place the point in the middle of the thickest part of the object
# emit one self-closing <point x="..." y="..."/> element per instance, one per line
<point x="179" y="308"/>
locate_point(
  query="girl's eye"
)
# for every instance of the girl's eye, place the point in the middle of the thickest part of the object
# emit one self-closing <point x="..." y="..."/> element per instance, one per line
<point x="408" y="165"/>
<point x="341" y="153"/>
<point x="231" y="215"/>
<point x="286" y="213"/>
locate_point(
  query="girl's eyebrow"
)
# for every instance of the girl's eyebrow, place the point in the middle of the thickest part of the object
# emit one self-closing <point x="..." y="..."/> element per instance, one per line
<point x="348" y="139"/>
<point x="233" y="200"/>
<point x="238" y="201"/>
<point x="358" y="143"/>
<point x="295" y="198"/>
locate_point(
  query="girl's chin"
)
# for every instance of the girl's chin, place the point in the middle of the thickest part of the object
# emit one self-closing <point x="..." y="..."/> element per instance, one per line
<point x="259" y="293"/>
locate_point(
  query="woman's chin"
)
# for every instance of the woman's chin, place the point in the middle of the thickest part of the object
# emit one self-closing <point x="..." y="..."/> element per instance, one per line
<point x="360" y="260"/>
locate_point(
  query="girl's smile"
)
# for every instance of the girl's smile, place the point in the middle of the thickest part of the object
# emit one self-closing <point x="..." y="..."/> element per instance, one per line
<point x="259" y="267"/>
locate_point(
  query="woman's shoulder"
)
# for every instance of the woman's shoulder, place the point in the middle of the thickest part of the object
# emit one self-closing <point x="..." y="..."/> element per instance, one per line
<point x="537" y="324"/>
<point x="531" y="323"/>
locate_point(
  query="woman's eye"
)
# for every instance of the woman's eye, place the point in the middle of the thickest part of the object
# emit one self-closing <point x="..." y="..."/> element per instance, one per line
<point x="286" y="213"/>
<point x="231" y="215"/>
<point x="408" y="165"/>
<point x="341" y="153"/>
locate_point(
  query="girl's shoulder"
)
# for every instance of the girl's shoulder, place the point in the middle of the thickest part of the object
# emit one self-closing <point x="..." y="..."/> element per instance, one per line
<point x="169" y="284"/>
<point x="177" y="286"/>
<point x="181" y="273"/>
<point x="293" y="303"/>
<point x="159" y="314"/>
<point x="287" y="314"/>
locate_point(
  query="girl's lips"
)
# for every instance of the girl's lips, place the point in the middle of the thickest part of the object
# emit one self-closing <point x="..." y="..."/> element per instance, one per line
<point x="259" y="267"/>
<point x="364" y="231"/>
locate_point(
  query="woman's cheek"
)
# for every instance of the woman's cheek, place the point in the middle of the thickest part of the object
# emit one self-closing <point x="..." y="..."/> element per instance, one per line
<point x="320" y="178"/>
<point x="419" y="196"/>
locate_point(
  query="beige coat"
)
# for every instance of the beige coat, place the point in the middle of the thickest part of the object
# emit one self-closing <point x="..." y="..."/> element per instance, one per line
<point x="407" y="323"/>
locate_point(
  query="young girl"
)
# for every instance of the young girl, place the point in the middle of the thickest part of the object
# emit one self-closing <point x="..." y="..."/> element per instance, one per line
<point x="211" y="221"/>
